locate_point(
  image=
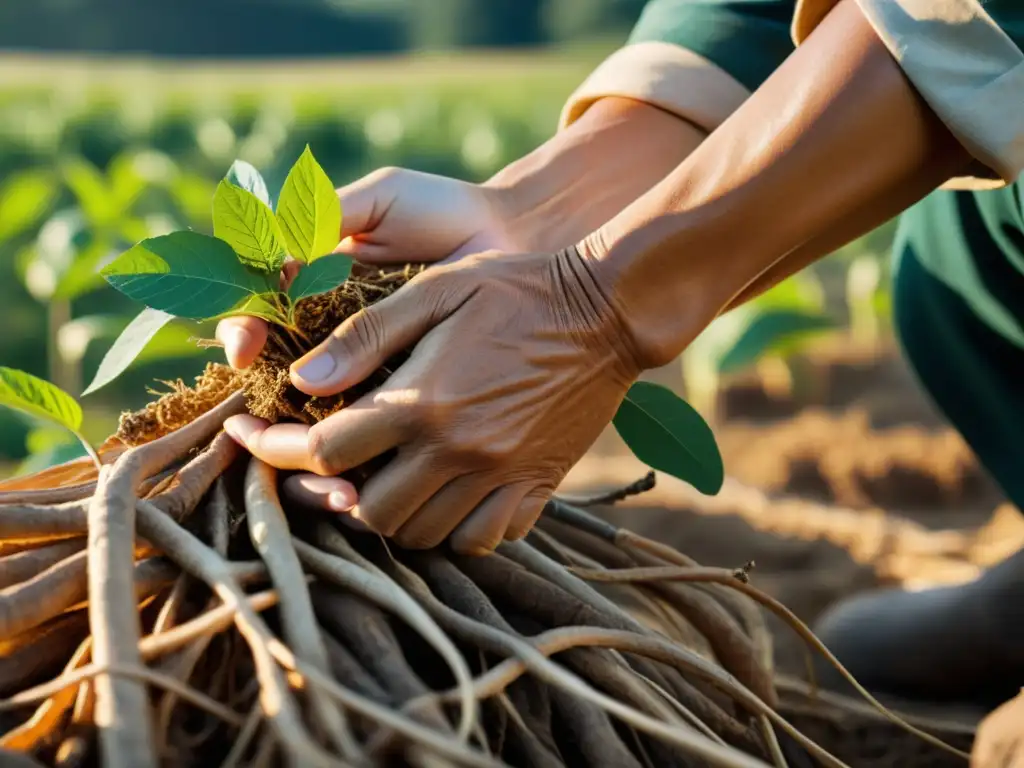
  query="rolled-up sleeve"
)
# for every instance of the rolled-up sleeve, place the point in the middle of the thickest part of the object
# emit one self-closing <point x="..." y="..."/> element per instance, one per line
<point x="964" y="58"/>
<point x="698" y="59"/>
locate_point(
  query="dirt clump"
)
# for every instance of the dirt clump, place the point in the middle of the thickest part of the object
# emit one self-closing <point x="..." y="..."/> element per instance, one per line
<point x="266" y="383"/>
<point x="179" y="404"/>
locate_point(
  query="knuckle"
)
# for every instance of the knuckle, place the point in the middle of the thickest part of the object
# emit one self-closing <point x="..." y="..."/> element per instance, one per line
<point x="369" y="329"/>
<point x="387" y="174"/>
<point x="361" y="333"/>
<point x="471" y="453"/>
<point x="418" y="539"/>
<point x="321" y="458"/>
<point x="429" y="417"/>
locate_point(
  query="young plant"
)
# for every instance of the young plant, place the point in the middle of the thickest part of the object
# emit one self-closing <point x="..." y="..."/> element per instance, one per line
<point x="866" y="299"/>
<point x="237" y="272"/>
<point x="764" y="332"/>
<point x="42" y="400"/>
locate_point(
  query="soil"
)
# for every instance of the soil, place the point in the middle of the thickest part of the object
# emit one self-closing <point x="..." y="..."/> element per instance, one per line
<point x="856" y="484"/>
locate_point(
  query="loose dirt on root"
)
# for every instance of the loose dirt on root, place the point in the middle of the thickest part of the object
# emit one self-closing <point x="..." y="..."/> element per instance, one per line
<point x="269" y="392"/>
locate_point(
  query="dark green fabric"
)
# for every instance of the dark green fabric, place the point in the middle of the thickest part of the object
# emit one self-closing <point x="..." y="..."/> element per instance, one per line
<point x="746" y="38"/>
<point x="1009" y="15"/>
<point x="959" y="285"/>
<point x="973" y="243"/>
<point x="973" y="374"/>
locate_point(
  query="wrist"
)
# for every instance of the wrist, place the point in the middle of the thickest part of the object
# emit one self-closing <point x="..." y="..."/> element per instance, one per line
<point x="660" y="283"/>
<point x="589" y="172"/>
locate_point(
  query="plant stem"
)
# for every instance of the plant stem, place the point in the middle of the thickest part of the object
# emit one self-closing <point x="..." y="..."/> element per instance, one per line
<point x="89" y="449"/>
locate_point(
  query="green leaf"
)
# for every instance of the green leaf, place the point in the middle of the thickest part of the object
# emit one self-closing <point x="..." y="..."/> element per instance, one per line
<point x="802" y="291"/>
<point x="321" y="276"/>
<point x="192" y="193"/>
<point x="260" y="306"/>
<point x="24" y="199"/>
<point x="124" y="181"/>
<point x="244" y="175"/>
<point x="309" y="210"/>
<point x="36" y="397"/>
<point x="82" y="275"/>
<point x="244" y="222"/>
<point x="91" y="189"/>
<point x="126" y="349"/>
<point x="666" y="434"/>
<point x="769" y="331"/>
<point x="185" y="274"/>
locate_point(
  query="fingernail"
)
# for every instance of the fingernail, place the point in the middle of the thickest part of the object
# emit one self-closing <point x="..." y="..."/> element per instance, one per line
<point x="316" y="369"/>
<point x="239" y="430"/>
<point x="340" y="501"/>
<point x="232" y="431"/>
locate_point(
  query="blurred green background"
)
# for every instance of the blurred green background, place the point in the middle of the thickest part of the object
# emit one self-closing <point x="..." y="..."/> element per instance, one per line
<point x="118" y="116"/>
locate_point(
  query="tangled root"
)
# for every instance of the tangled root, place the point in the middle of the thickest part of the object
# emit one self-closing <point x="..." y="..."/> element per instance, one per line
<point x="170" y="611"/>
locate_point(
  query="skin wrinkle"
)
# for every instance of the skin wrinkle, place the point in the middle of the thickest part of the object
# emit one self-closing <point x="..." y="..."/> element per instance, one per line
<point x="521" y="360"/>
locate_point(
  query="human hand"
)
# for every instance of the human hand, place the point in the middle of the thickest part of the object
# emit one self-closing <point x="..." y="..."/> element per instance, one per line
<point x="1000" y="739"/>
<point x="518" y="362"/>
<point x="395" y="215"/>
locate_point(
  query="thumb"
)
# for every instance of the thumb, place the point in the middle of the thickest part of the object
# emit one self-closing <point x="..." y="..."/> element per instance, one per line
<point x="361" y="344"/>
<point x="365" y="203"/>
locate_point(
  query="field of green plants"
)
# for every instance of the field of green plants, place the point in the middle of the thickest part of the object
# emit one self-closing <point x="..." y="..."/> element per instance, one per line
<point x="95" y="156"/>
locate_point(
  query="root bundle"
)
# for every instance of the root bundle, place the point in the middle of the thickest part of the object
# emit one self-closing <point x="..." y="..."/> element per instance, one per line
<point x="168" y="610"/>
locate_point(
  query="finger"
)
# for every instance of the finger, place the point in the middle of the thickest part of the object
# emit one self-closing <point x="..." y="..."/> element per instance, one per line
<point x="372" y="253"/>
<point x="527" y="514"/>
<point x="243" y="339"/>
<point x="284" y="446"/>
<point x="365" y="202"/>
<point x="440" y="515"/>
<point x="393" y="494"/>
<point x="331" y="493"/>
<point x="485" y="527"/>
<point x="289" y="271"/>
<point x="364" y="341"/>
<point x="355" y="435"/>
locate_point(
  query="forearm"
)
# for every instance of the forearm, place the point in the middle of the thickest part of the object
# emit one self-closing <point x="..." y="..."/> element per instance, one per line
<point x="834" y="143"/>
<point x="591" y="170"/>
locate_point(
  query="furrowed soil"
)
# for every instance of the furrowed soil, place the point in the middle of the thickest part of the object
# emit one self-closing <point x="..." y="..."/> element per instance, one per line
<point x="857" y="484"/>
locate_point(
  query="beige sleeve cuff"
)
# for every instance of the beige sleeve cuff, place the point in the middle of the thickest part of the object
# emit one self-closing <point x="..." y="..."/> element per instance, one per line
<point x="665" y="75"/>
<point x="960" y="61"/>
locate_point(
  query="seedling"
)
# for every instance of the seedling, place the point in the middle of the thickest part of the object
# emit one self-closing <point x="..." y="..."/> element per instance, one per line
<point x="237" y="271"/>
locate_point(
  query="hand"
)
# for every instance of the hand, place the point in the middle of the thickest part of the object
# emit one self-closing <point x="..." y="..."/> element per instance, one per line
<point x="395" y="216"/>
<point x="518" y="362"/>
<point x="1000" y="739"/>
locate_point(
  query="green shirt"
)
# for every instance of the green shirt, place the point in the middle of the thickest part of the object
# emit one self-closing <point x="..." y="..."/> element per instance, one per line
<point x="973" y="242"/>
